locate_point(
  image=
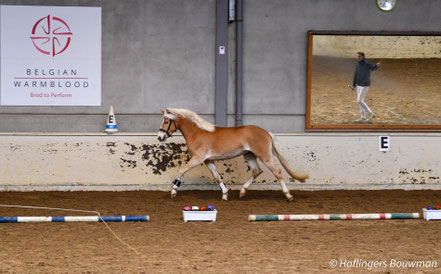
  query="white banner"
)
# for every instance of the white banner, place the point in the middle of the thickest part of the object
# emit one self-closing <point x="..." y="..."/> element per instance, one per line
<point x="50" y="56"/>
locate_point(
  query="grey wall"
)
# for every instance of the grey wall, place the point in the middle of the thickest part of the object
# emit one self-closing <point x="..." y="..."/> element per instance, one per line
<point x="159" y="53"/>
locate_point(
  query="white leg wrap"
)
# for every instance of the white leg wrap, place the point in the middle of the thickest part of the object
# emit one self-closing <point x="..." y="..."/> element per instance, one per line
<point x="286" y="190"/>
<point x="248" y="183"/>
<point x="223" y="187"/>
<point x="284" y="187"/>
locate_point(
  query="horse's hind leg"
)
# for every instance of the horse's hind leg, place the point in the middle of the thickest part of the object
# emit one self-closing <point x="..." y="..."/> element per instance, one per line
<point x="255" y="171"/>
<point x="278" y="173"/>
<point x="212" y="167"/>
<point x="269" y="162"/>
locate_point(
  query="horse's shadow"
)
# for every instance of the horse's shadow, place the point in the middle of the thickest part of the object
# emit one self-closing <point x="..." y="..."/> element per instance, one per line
<point x="233" y="195"/>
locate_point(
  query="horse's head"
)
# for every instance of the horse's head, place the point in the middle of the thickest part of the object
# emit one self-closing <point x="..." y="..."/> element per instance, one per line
<point x="168" y="126"/>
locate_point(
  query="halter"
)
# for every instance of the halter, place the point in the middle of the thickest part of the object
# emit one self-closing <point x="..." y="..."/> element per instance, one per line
<point x="168" y="129"/>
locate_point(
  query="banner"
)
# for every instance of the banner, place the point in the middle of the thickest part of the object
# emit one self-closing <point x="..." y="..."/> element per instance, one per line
<point x="50" y="56"/>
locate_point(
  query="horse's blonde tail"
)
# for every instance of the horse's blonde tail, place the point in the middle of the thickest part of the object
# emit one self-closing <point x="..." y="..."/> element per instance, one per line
<point x="284" y="162"/>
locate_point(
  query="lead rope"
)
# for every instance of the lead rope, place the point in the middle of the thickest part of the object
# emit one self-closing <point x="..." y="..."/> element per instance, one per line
<point x="416" y="73"/>
<point x="398" y="37"/>
<point x="76" y="210"/>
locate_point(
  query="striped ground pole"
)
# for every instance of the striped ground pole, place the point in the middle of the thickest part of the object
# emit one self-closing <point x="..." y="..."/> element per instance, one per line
<point x="300" y="217"/>
<point x="56" y="219"/>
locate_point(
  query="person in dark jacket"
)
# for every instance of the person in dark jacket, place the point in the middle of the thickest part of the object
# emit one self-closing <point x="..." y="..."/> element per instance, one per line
<point x="362" y="80"/>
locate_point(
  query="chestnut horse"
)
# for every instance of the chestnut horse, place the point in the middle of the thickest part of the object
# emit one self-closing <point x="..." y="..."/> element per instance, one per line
<point x="207" y="143"/>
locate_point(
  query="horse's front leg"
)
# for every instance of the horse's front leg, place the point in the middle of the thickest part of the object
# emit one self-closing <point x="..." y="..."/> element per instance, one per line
<point x="194" y="162"/>
<point x="212" y="167"/>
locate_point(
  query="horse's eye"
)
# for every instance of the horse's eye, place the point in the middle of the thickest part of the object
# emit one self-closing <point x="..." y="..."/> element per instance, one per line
<point x="166" y="122"/>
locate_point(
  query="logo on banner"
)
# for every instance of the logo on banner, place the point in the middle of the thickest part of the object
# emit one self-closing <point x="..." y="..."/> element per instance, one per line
<point x="51" y="35"/>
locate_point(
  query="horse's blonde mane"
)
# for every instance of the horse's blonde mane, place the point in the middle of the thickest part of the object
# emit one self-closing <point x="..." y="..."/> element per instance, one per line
<point x="190" y="115"/>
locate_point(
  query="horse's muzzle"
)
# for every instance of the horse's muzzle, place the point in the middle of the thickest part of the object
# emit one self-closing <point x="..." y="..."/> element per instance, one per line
<point x="161" y="137"/>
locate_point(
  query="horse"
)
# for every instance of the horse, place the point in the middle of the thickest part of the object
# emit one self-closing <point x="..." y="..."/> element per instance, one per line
<point x="207" y="143"/>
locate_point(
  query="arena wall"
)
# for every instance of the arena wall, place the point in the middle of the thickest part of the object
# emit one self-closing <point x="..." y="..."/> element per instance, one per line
<point x="139" y="162"/>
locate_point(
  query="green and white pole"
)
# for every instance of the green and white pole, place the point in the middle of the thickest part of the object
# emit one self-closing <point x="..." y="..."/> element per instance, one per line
<point x="312" y="217"/>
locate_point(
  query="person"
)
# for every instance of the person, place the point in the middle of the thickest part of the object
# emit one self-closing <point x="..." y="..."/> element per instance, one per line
<point x="362" y="81"/>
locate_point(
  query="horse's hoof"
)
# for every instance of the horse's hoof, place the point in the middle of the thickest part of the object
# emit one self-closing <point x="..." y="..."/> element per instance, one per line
<point x="224" y="197"/>
<point x="243" y="191"/>
<point x="173" y="193"/>
<point x="289" y="198"/>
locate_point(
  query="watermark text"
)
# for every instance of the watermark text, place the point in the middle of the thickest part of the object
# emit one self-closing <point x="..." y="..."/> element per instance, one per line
<point x="357" y="263"/>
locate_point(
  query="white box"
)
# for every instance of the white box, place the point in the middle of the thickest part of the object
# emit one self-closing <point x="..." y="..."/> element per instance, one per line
<point x="431" y="214"/>
<point x="202" y="216"/>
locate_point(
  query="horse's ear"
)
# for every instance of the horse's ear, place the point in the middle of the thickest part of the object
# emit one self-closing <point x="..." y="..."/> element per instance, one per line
<point x="165" y="111"/>
<point x="168" y="114"/>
